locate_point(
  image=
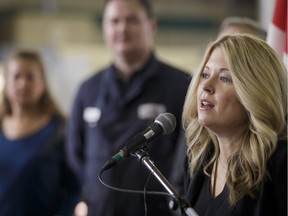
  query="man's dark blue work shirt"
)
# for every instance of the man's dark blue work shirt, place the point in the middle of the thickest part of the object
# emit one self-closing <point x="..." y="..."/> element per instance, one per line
<point x="108" y="112"/>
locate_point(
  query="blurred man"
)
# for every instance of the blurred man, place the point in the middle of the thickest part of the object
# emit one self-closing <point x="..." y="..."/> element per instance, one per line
<point x="117" y="103"/>
<point x="232" y="25"/>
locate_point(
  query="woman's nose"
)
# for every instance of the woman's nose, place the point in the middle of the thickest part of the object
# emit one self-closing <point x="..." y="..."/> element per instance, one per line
<point x="208" y="86"/>
<point x="23" y="82"/>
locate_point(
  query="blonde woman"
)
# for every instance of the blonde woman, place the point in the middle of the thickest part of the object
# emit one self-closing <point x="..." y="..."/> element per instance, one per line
<point x="34" y="177"/>
<point x="235" y="122"/>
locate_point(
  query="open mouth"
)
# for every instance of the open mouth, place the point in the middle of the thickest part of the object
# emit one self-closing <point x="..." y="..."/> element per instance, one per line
<point x="206" y="104"/>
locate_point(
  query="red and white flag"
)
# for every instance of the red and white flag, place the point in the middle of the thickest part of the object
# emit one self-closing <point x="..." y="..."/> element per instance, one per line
<point x="277" y="32"/>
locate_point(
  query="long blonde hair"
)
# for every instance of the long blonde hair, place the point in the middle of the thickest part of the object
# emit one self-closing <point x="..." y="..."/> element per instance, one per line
<point x="46" y="104"/>
<point x="260" y="81"/>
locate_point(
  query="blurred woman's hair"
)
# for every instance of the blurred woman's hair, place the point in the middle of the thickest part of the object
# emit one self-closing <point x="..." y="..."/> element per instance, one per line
<point x="46" y="103"/>
<point x="260" y="81"/>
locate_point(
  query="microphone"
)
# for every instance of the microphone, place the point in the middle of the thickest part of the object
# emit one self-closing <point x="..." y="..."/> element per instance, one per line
<point x="165" y="123"/>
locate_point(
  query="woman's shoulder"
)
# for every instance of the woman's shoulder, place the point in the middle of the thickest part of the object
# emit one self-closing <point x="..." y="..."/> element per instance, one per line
<point x="55" y="132"/>
<point x="281" y="150"/>
<point x="277" y="164"/>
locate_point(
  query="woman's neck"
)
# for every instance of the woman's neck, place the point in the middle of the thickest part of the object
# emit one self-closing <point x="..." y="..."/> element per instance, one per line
<point x="23" y="122"/>
<point x="227" y="146"/>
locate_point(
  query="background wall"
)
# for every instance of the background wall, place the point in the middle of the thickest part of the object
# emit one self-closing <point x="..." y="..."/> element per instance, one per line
<point x="68" y="34"/>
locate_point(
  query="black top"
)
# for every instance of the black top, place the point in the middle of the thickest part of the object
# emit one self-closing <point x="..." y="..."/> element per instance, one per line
<point x="205" y="202"/>
<point x="270" y="197"/>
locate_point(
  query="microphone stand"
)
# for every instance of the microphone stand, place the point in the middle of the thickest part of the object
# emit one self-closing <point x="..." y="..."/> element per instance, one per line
<point x="144" y="158"/>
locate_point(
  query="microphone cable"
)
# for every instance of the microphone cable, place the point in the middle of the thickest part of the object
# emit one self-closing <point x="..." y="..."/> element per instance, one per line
<point x="145" y="194"/>
<point x="129" y="190"/>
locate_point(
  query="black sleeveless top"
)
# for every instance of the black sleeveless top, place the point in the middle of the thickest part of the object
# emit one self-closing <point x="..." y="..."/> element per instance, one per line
<point x="270" y="198"/>
<point x="205" y="203"/>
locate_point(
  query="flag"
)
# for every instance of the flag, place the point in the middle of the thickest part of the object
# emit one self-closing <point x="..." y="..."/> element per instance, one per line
<point x="277" y="31"/>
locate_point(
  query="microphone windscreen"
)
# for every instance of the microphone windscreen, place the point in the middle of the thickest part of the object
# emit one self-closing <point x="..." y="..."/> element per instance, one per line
<point x="167" y="121"/>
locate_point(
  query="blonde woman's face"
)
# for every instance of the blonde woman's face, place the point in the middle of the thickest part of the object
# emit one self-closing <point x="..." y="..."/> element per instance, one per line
<point x="24" y="82"/>
<point x="217" y="103"/>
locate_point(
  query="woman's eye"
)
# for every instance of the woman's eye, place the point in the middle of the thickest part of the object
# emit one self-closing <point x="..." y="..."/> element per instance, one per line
<point x="225" y="79"/>
<point x="204" y="75"/>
